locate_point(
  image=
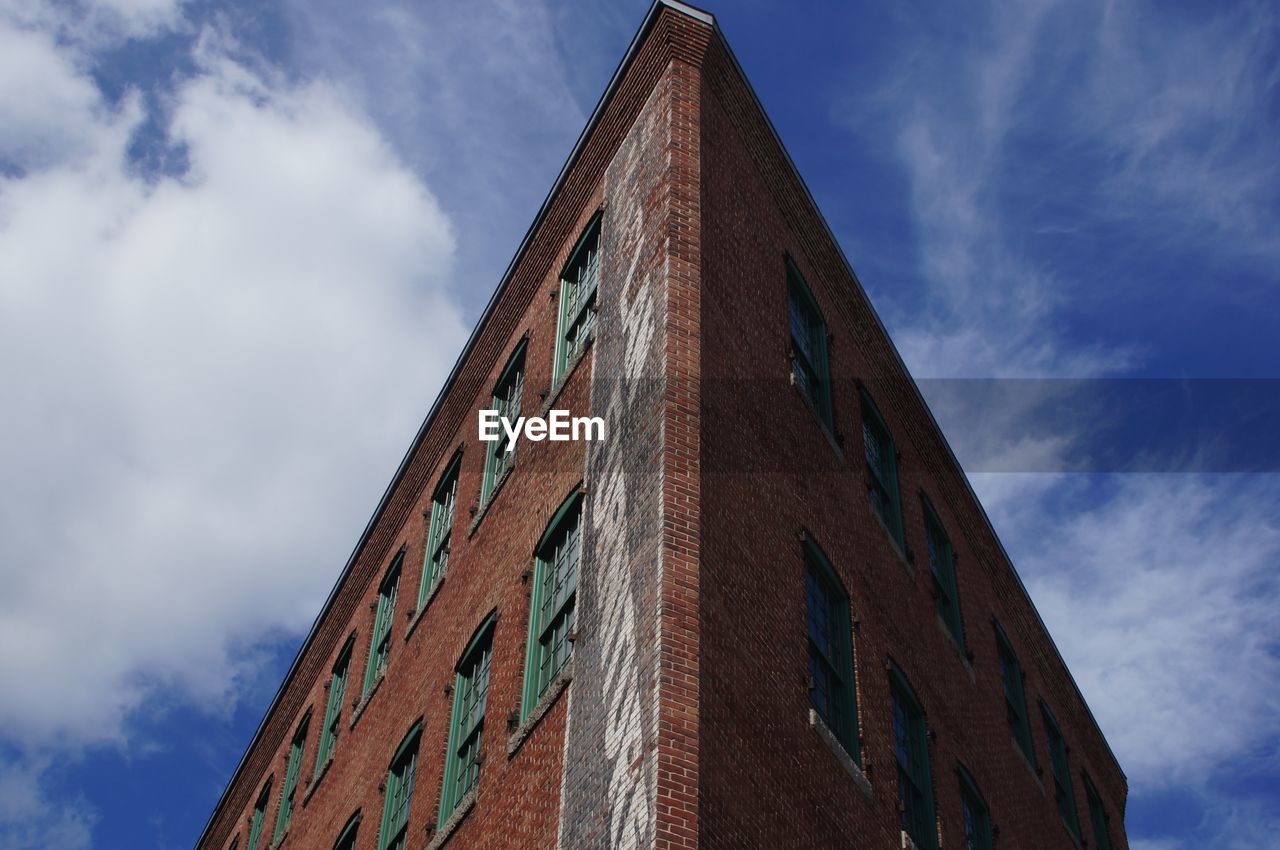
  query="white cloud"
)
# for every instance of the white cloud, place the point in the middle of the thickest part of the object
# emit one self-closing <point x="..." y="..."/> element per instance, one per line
<point x="48" y="108"/>
<point x="209" y="379"/>
<point x="476" y="96"/>
<point x="1160" y="591"/>
<point x="30" y="820"/>
<point x="1180" y="107"/>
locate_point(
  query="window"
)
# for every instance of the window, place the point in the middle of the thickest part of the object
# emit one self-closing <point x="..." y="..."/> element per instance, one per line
<point x="942" y="564"/>
<point x="399" y="793"/>
<point x="290" y="787"/>
<point x="974" y="814"/>
<point x="1015" y="700"/>
<point x="259" y="815"/>
<point x="1097" y="815"/>
<point x="882" y="466"/>
<point x="578" y="284"/>
<point x="506" y="400"/>
<point x="470" y="694"/>
<point x="347" y="838"/>
<point x="911" y="749"/>
<point x="436" y="559"/>
<point x="555" y="585"/>
<point x="333" y="707"/>
<point x="380" y="642"/>
<point x="831" y="687"/>
<point x="235" y="843"/>
<point x="1062" y="791"/>
<point x="809" y="369"/>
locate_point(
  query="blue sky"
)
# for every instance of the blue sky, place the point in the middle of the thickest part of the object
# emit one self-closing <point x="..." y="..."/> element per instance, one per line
<point x="241" y="244"/>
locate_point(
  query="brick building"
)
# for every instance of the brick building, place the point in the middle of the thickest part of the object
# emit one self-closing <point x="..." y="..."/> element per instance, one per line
<point x="765" y="611"/>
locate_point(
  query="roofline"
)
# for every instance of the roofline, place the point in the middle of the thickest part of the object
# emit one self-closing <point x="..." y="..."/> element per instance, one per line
<point x="650" y="18"/>
<point x="915" y="388"/>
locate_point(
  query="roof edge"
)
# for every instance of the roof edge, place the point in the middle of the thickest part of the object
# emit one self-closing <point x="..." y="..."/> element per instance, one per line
<point x="964" y="477"/>
<point x="575" y="153"/>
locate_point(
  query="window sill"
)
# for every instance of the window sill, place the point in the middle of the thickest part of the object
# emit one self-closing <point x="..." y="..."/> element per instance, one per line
<point x="426" y="603"/>
<point x="488" y="503"/>
<point x="832" y="439"/>
<point x="560" y="383"/>
<point x="451" y="824"/>
<point x="315" y="783"/>
<point x="557" y="687"/>
<point x="908" y="843"/>
<point x="955" y="645"/>
<point x="842" y="755"/>
<point x="367" y="698"/>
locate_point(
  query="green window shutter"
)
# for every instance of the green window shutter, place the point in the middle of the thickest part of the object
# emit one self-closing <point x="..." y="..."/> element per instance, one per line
<point x="832" y="693"/>
<point x="882" y="468"/>
<point x="470" y="697"/>
<point x="506" y="400"/>
<point x="810" y="370"/>
<point x="1015" y="699"/>
<point x="347" y="839"/>
<point x="380" y="639"/>
<point x="551" y="612"/>
<point x="435" y="561"/>
<point x="398" y="795"/>
<point x="975" y="815"/>
<point x="1062" y="790"/>
<point x="259" y="815"/>
<point x="911" y="752"/>
<point x="290" y="788"/>
<point x="942" y="565"/>
<point x="333" y="708"/>
<point x="1097" y="815"/>
<point x="578" y="284"/>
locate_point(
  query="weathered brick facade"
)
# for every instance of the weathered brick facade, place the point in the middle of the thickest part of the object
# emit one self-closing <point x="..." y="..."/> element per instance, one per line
<point x="682" y="719"/>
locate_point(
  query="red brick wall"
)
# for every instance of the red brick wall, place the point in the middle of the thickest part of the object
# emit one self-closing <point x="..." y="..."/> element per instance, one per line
<point x="727" y="758"/>
<point x="769" y="474"/>
<point x="520" y="794"/>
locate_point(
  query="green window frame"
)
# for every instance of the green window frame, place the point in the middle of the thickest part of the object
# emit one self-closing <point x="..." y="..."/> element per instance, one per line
<point x="832" y="687"/>
<point x="882" y="466"/>
<point x="942" y="566"/>
<point x="259" y="817"/>
<point x="333" y="707"/>
<point x="1015" y="697"/>
<point x="1097" y="815"/>
<point x="398" y="792"/>
<point x="289" y="790"/>
<point x="578" y="285"/>
<point x="506" y="400"/>
<point x="466" y="725"/>
<point x="975" y="815"/>
<point x="385" y="610"/>
<point x="552" y="602"/>
<point x="444" y="501"/>
<point x="1063" y="792"/>
<point x="347" y="838"/>
<point x="911" y="752"/>
<point x="810" y="369"/>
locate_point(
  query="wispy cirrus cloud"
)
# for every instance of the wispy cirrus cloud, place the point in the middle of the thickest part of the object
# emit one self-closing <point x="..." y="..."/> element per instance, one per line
<point x="1056" y="155"/>
<point x="1180" y="104"/>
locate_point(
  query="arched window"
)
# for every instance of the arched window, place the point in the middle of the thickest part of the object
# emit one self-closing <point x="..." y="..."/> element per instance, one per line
<point x="466" y="728"/>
